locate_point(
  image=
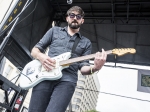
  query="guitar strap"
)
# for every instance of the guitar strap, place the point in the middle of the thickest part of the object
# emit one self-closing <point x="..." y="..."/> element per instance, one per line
<point x="75" y="44"/>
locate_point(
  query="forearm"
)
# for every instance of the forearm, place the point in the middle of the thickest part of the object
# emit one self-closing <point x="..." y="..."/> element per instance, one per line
<point x="36" y="53"/>
<point x="99" y="61"/>
<point x="87" y="70"/>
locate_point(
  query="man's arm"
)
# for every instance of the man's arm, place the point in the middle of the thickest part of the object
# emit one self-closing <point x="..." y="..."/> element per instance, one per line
<point x="45" y="60"/>
<point x="99" y="61"/>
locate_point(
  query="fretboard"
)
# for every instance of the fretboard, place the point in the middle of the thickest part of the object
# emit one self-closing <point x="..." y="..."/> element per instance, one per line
<point x="78" y="59"/>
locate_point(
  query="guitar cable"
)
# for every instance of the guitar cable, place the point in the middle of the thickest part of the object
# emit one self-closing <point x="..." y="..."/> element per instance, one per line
<point x="20" y="74"/>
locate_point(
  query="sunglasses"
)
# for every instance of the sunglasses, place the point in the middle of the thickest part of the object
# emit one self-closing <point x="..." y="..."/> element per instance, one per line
<point x="78" y="16"/>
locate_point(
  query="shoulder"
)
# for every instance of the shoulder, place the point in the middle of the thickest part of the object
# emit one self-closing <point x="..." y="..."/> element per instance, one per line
<point x="86" y="39"/>
<point x="56" y="28"/>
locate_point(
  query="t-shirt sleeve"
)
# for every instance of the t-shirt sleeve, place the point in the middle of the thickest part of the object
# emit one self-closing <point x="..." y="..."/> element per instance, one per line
<point x="45" y="41"/>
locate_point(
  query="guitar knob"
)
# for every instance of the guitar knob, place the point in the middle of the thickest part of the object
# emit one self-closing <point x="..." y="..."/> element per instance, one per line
<point x="55" y="73"/>
<point x="36" y="76"/>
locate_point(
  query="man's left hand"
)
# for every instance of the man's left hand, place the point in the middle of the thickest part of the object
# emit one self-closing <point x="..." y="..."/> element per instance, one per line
<point x="100" y="59"/>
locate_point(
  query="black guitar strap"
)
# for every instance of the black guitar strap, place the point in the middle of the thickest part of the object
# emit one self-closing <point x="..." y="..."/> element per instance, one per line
<point x="75" y="44"/>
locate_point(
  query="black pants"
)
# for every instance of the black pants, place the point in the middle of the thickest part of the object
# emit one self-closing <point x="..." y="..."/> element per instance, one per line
<point x="51" y="96"/>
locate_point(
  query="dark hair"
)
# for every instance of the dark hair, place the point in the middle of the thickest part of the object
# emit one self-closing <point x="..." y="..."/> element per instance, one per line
<point x="77" y="9"/>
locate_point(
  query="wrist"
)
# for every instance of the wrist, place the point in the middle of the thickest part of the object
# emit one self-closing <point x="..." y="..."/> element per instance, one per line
<point x="39" y="56"/>
<point x="93" y="69"/>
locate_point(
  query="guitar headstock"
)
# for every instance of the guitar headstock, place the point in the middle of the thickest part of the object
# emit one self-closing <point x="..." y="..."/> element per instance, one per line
<point x="123" y="51"/>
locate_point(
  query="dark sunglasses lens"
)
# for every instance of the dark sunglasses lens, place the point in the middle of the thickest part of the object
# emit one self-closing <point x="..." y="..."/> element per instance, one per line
<point x="72" y="15"/>
<point x="78" y="16"/>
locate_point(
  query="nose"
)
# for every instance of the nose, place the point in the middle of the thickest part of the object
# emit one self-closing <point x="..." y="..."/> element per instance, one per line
<point x="75" y="17"/>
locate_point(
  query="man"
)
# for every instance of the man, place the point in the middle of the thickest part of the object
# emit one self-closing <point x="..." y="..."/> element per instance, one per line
<point x="54" y="96"/>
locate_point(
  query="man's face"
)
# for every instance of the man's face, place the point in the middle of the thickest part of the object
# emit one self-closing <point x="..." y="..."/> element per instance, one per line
<point x="74" y="20"/>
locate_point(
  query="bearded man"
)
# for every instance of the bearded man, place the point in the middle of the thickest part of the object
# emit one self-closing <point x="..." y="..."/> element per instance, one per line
<point x="55" y="95"/>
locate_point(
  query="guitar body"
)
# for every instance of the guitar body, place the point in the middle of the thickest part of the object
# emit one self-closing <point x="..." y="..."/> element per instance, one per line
<point x="34" y="73"/>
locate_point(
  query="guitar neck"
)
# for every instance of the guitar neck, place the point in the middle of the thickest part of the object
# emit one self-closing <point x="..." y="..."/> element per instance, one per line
<point x="78" y="59"/>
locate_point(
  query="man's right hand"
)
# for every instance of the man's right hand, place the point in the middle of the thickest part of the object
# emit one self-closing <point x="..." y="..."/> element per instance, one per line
<point x="47" y="62"/>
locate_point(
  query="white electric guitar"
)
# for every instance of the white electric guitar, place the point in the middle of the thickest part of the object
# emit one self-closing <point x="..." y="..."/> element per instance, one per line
<point x="33" y="73"/>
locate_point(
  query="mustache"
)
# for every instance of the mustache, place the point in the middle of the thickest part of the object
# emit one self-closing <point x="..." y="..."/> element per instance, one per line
<point x="74" y="21"/>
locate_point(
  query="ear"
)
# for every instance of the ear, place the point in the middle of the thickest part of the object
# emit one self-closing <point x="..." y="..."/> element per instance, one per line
<point x="67" y="19"/>
<point x="82" y="21"/>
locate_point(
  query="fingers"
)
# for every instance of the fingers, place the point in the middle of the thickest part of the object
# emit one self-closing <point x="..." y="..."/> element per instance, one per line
<point x="104" y="54"/>
<point x="49" y="64"/>
<point x="100" y="59"/>
<point x="101" y="56"/>
<point x="48" y="67"/>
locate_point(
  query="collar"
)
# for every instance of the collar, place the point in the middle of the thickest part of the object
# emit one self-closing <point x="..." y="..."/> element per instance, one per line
<point x="65" y="29"/>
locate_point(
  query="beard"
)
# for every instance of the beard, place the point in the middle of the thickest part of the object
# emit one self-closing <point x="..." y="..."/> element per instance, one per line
<point x="74" y="25"/>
